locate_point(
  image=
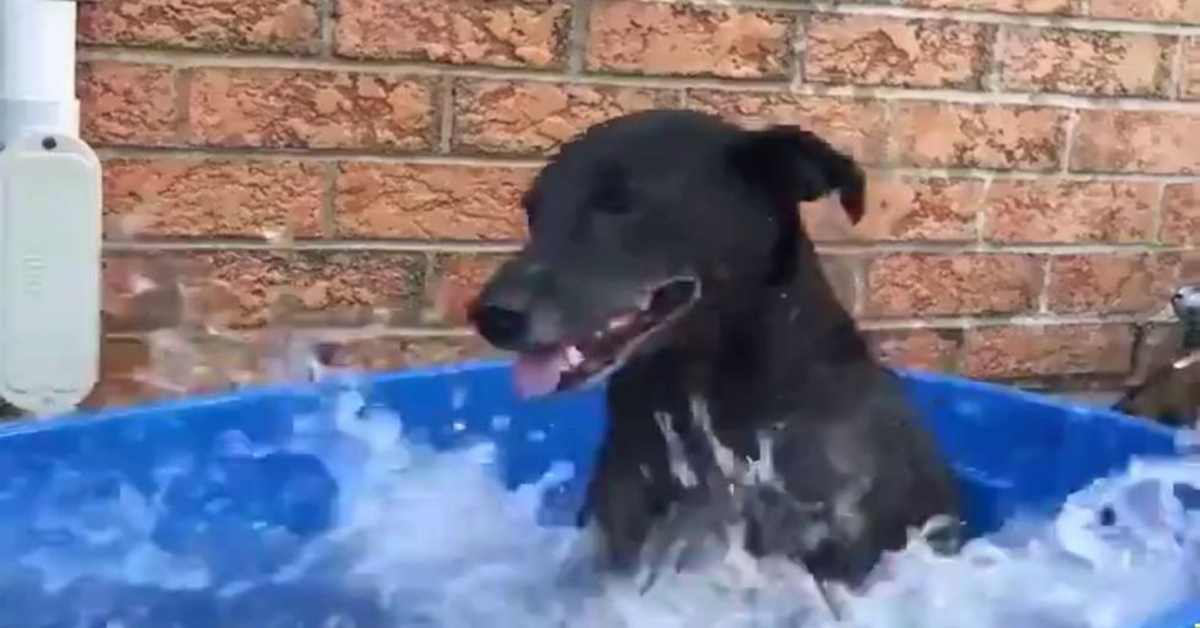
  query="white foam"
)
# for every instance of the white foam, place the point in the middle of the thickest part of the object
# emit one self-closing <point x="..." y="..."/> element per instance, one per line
<point x="428" y="538"/>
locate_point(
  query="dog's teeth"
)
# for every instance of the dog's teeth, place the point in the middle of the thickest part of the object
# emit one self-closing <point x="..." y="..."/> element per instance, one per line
<point x="574" y="356"/>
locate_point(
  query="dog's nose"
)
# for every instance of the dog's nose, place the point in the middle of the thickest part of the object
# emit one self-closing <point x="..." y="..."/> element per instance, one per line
<point x="504" y="328"/>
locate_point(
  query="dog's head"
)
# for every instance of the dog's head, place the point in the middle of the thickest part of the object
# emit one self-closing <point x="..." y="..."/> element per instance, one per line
<point x="1186" y="303"/>
<point x="639" y="219"/>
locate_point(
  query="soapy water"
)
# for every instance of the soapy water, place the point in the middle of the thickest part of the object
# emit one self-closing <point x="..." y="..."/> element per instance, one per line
<point x="424" y="538"/>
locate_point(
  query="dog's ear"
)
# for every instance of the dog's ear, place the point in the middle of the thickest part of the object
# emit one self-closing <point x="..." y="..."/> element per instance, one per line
<point x="798" y="166"/>
<point x="795" y="166"/>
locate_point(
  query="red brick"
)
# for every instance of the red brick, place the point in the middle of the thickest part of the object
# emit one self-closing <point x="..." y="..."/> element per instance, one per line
<point x="866" y="50"/>
<point x="1137" y="141"/>
<point x="1035" y="351"/>
<point x="945" y="285"/>
<point x="841" y="272"/>
<point x="431" y="202"/>
<point x="258" y="25"/>
<point x="377" y="348"/>
<point x="1189" y="268"/>
<point x="902" y="208"/>
<point x="1181" y="215"/>
<point x="1070" y="211"/>
<point x="1189" y="79"/>
<point x="1003" y="6"/>
<point x="128" y="104"/>
<point x="982" y="136"/>
<point x="175" y="363"/>
<point x="140" y="292"/>
<point x="680" y="39"/>
<point x="858" y="127"/>
<point x="388" y="353"/>
<point x="506" y="33"/>
<point x="1086" y="62"/>
<point x="122" y="362"/>
<point x="312" y="109"/>
<point x="535" y="117"/>
<point x="195" y="197"/>
<point x="245" y="289"/>
<point x="1111" y="284"/>
<point x="325" y="287"/>
<point x="202" y="360"/>
<point x="1187" y="11"/>
<point x="430" y="351"/>
<point x="924" y="349"/>
<point x="456" y="282"/>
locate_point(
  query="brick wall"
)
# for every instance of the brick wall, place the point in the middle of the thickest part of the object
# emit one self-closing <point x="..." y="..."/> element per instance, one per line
<point x="352" y="167"/>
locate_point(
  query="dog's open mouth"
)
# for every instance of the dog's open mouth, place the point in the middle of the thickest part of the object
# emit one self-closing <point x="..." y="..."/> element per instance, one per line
<point x="592" y="357"/>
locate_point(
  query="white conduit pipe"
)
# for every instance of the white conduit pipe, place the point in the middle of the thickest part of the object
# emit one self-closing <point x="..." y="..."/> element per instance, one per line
<point x="50" y="215"/>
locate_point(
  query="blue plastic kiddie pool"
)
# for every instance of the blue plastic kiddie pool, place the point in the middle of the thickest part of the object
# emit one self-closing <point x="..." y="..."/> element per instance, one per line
<point x="1010" y="449"/>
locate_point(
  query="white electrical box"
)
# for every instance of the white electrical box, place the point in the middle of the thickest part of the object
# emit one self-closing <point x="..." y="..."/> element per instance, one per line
<point x="50" y="283"/>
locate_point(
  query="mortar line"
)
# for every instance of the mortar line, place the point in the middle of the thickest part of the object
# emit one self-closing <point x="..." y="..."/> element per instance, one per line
<point x="315" y="155"/>
<point x="349" y="333"/>
<point x="183" y="96"/>
<point x="1042" y="175"/>
<point x="329" y="176"/>
<point x="1044" y="295"/>
<point x="992" y="248"/>
<point x="959" y="15"/>
<point x="577" y="36"/>
<point x="981" y="212"/>
<point x="182" y="59"/>
<point x="967" y="322"/>
<point x="891" y="141"/>
<point x="429" y="301"/>
<point x="1069" y="131"/>
<point x="962" y="323"/>
<point x="534" y="161"/>
<point x="1175" y="86"/>
<point x="327" y="17"/>
<point x="858" y="283"/>
<point x="446" y="122"/>
<point x="800" y="25"/>
<point x="993" y="82"/>
<point x="830" y="248"/>
<point x="1158" y="216"/>
<point x="376" y="246"/>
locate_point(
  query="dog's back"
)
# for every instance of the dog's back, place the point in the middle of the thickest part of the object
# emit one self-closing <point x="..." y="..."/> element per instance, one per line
<point x="1171" y="394"/>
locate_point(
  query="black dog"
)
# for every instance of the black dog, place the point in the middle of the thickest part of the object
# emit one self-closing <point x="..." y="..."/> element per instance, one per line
<point x="666" y="250"/>
<point x="1171" y="394"/>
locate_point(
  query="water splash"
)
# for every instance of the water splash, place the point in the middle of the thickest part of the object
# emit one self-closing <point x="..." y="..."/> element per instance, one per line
<point x="421" y="537"/>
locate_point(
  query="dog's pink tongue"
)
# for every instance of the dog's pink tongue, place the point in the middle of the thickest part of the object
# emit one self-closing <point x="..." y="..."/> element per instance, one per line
<point x="537" y="374"/>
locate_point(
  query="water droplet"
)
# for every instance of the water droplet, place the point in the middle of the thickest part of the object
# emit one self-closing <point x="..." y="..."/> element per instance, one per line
<point x="458" y="398"/>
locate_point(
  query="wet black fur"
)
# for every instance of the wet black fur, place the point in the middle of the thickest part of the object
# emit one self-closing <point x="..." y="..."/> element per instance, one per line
<point x="768" y="350"/>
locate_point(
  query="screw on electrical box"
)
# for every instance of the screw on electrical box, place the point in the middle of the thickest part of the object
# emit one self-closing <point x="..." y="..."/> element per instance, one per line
<point x="49" y="143"/>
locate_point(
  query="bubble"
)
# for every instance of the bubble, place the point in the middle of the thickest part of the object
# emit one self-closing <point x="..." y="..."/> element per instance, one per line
<point x="386" y="531"/>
